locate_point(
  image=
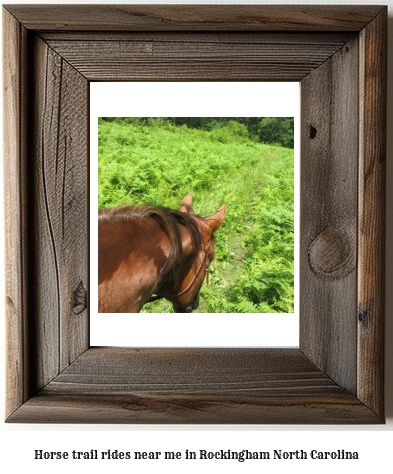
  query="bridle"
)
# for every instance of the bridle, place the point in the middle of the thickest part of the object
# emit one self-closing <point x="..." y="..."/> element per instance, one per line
<point x="205" y="263"/>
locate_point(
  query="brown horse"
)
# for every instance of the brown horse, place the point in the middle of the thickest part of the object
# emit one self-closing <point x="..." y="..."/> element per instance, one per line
<point x="152" y="249"/>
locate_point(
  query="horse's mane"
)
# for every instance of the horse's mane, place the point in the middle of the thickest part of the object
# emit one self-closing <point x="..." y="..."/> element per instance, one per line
<point x="168" y="219"/>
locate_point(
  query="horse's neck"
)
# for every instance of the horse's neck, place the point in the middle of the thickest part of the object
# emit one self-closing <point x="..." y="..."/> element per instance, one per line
<point x="131" y="257"/>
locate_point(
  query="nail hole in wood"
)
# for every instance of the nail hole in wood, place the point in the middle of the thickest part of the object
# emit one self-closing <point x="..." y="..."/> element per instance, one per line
<point x="363" y="315"/>
<point x="313" y="132"/>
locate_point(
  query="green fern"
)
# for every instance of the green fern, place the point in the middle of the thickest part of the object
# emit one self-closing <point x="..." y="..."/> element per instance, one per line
<point x="152" y="161"/>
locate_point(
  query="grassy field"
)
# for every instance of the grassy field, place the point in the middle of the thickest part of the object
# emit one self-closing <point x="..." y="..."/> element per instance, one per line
<point x="159" y="163"/>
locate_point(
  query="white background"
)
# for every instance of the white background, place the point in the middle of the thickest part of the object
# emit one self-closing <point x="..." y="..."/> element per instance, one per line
<point x="374" y="443"/>
<point x="174" y="99"/>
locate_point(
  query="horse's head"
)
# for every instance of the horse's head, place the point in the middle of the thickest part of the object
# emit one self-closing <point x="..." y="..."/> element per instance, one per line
<point x="182" y="286"/>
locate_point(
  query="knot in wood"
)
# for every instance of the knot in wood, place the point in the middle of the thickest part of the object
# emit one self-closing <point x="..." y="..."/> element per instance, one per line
<point x="80" y="299"/>
<point x="331" y="254"/>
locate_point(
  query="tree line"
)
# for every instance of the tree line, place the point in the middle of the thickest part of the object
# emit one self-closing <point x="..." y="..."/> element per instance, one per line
<point x="270" y="130"/>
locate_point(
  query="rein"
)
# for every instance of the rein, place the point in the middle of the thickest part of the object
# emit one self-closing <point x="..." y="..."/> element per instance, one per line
<point x="203" y="263"/>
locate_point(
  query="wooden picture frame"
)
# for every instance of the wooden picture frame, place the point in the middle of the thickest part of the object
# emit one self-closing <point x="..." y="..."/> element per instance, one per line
<point x="338" y="54"/>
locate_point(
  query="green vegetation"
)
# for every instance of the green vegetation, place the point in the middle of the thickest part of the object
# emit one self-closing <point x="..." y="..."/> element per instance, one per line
<point x="158" y="161"/>
<point x="271" y="130"/>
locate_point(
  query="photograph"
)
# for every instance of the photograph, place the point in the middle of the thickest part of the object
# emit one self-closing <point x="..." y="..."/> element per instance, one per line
<point x="196" y="214"/>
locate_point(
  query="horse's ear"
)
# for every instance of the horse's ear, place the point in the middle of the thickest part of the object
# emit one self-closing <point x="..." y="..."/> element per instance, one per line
<point x="216" y="219"/>
<point x="186" y="204"/>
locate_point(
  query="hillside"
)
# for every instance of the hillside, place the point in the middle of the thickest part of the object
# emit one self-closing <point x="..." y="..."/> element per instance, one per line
<point x="159" y="163"/>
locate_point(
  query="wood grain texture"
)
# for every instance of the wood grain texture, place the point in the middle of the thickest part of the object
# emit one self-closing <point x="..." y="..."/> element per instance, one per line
<point x="14" y="149"/>
<point x="186" y="371"/>
<point x="60" y="178"/>
<point x="240" y="409"/>
<point x="195" y="17"/>
<point x="201" y="386"/>
<point x="201" y="37"/>
<point x="185" y="60"/>
<point x="328" y="254"/>
<point x="371" y="262"/>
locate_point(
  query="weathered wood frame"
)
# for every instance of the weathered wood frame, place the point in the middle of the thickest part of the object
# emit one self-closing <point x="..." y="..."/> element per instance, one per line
<point x="338" y="54"/>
